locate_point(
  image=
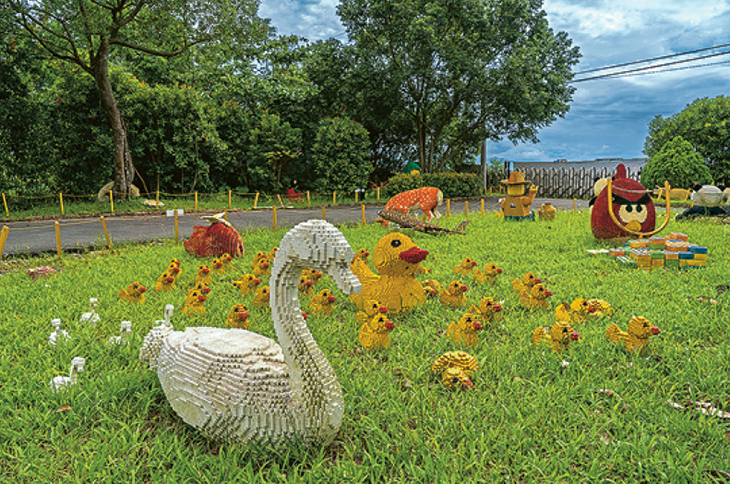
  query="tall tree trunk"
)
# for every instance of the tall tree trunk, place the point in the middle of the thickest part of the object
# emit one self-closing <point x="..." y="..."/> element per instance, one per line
<point x="123" y="168"/>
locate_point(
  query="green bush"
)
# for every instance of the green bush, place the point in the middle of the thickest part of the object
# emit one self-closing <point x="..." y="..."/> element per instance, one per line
<point x="341" y="155"/>
<point x="679" y="164"/>
<point x="453" y="185"/>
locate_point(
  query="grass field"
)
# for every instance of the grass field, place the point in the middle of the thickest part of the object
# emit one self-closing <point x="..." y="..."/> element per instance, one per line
<point x="595" y="413"/>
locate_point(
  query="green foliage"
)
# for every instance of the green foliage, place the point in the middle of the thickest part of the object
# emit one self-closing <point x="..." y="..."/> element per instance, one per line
<point x="679" y="164"/>
<point x="341" y="156"/>
<point x="704" y="123"/>
<point x="453" y="185"/>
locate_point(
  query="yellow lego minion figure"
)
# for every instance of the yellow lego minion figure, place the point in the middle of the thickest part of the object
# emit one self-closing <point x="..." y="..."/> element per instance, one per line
<point x="516" y="205"/>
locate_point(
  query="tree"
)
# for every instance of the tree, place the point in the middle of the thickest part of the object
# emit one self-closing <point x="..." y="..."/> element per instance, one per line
<point x="341" y="155"/>
<point x="88" y="32"/>
<point x="679" y="164"/>
<point x="704" y="123"/>
<point x="463" y="70"/>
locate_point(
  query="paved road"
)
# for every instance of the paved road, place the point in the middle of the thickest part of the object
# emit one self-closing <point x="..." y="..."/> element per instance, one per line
<point x="35" y="237"/>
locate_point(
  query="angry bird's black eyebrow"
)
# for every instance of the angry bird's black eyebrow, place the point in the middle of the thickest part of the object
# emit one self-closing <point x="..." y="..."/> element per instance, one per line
<point x="645" y="199"/>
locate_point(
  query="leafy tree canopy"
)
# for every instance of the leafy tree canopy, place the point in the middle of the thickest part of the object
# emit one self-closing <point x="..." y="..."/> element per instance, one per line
<point x="679" y="164"/>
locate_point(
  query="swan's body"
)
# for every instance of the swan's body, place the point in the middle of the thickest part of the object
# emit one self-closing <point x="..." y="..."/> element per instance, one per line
<point x="235" y="384"/>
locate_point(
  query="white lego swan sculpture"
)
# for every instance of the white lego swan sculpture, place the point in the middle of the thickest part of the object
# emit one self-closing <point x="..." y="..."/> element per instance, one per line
<point x="238" y="385"/>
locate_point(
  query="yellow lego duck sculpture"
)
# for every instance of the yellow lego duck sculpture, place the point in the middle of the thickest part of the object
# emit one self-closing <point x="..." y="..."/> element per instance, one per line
<point x="323" y="303"/>
<point x="247" y="284"/>
<point x="203" y="275"/>
<point x="133" y="293"/>
<point x="536" y="298"/>
<point x="575" y="312"/>
<point x="431" y="287"/>
<point x="560" y="335"/>
<point x="456" y="368"/>
<point x="166" y="282"/>
<point x="227" y="261"/>
<point x="397" y="259"/>
<point x="466" y="267"/>
<point x="194" y="303"/>
<point x="637" y="337"/>
<point x="175" y="268"/>
<point x="218" y="267"/>
<point x="361" y="254"/>
<point x="305" y="286"/>
<point x="487" y="309"/>
<point x="491" y="271"/>
<point x="464" y="331"/>
<point x="526" y="283"/>
<point x="238" y="317"/>
<point x="271" y="255"/>
<point x="262" y="268"/>
<point x="375" y="334"/>
<point x="261" y="297"/>
<point x="313" y="275"/>
<point x="516" y="205"/>
<point x="258" y="256"/>
<point x="601" y="307"/>
<point x="454" y="295"/>
<point x="371" y="309"/>
<point x="547" y="212"/>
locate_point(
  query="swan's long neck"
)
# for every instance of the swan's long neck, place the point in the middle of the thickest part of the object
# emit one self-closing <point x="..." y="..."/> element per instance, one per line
<point x="317" y="395"/>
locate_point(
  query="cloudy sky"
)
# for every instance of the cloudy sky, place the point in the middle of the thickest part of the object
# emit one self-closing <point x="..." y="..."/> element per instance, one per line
<point x="608" y="117"/>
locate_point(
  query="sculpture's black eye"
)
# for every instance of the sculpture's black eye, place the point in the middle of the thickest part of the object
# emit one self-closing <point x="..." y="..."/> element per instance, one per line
<point x="639" y="208"/>
<point x="629" y="208"/>
<point x="454" y="381"/>
<point x="395" y="243"/>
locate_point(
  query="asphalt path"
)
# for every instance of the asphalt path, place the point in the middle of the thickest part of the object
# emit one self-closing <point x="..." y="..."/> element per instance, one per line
<point x="36" y="237"/>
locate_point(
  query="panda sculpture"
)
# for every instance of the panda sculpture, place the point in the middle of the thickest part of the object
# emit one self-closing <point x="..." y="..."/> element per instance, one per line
<point x="706" y="201"/>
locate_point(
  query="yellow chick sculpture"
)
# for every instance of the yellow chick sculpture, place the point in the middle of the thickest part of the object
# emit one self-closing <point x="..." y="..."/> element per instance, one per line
<point x="261" y="297"/>
<point x="397" y="259"/>
<point x="166" y="282"/>
<point x="175" y="268"/>
<point x="454" y="295"/>
<point x="637" y="337"/>
<point x="431" y="287"/>
<point x="262" y="268"/>
<point x="218" y="267"/>
<point x="602" y="308"/>
<point x="361" y="254"/>
<point x="247" y="284"/>
<point x="466" y="267"/>
<point x="227" y="261"/>
<point x="487" y="309"/>
<point x="133" y="293"/>
<point x="371" y="309"/>
<point x="305" y="286"/>
<point x="194" y="304"/>
<point x="258" y="256"/>
<point x="536" y="298"/>
<point x="271" y="255"/>
<point x="203" y="275"/>
<point x="238" y="317"/>
<point x="575" y="312"/>
<point x="200" y="287"/>
<point x="491" y="271"/>
<point x="464" y="332"/>
<point x="547" y="212"/>
<point x="313" y="275"/>
<point x="526" y="283"/>
<point x="559" y="336"/>
<point x="322" y="303"/>
<point x="375" y="334"/>
<point x="456" y="368"/>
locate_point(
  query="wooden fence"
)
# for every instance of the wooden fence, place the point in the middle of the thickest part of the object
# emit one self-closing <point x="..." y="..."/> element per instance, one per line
<point x="563" y="182"/>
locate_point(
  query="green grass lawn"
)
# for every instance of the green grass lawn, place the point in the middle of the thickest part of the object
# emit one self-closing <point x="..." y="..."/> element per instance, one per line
<point x="595" y="413"/>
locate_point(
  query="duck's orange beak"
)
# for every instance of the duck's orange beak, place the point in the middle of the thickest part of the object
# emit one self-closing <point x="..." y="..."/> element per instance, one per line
<point x="414" y="255"/>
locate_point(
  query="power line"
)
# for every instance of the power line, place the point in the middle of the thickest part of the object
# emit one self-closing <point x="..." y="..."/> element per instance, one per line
<point x="659" y="72"/>
<point x="628" y="72"/>
<point x="652" y="59"/>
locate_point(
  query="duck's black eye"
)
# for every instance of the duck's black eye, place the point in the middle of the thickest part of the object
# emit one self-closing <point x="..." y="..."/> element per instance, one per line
<point x="454" y="380"/>
<point x="395" y="243"/>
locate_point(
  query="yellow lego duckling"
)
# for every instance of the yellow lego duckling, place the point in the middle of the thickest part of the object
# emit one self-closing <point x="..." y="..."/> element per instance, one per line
<point x="361" y="254"/>
<point x="464" y="331"/>
<point x="165" y="282"/>
<point x="602" y="308"/>
<point x="238" y="317"/>
<point x="175" y="268"/>
<point x="262" y="268"/>
<point x="218" y="267"/>
<point x="203" y="275"/>
<point x="322" y="303"/>
<point x="560" y="335"/>
<point x="246" y="284"/>
<point x="536" y="298"/>
<point x="487" y="309"/>
<point x="261" y="297"/>
<point x="271" y="255"/>
<point x="397" y="259"/>
<point x="227" y="261"/>
<point x="456" y="368"/>
<point x="491" y="271"/>
<point x="575" y="312"/>
<point x="526" y="283"/>
<point x="258" y="256"/>
<point x="637" y="337"/>
<point x="547" y="212"/>
<point x="454" y="295"/>
<point x="194" y="304"/>
<point x="371" y="308"/>
<point x="375" y="334"/>
<point x="431" y="287"/>
<point x="305" y="286"/>
<point x="466" y="267"/>
<point x="133" y="293"/>
<point x="313" y="275"/>
<point x="200" y="287"/>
